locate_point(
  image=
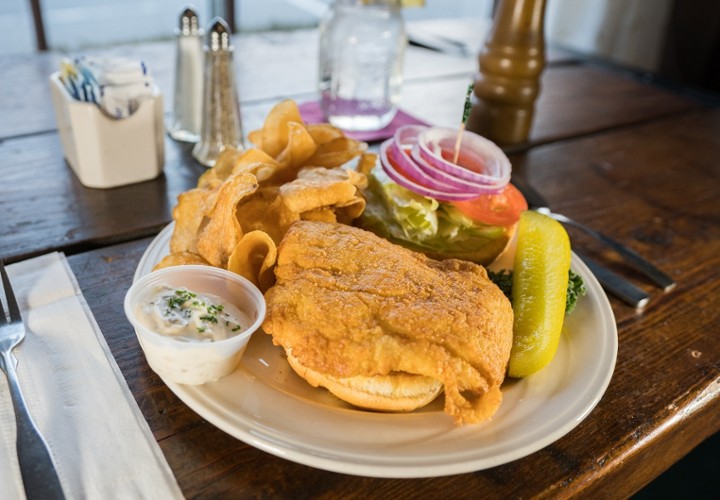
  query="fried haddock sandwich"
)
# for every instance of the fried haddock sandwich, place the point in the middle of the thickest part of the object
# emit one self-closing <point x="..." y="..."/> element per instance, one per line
<point x="386" y="328"/>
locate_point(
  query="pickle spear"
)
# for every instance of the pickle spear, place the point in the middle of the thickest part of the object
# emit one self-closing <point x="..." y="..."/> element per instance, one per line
<point x="539" y="292"/>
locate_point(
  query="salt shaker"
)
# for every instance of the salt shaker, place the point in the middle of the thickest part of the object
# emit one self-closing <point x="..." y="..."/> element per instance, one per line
<point x="362" y="44"/>
<point x="187" y="109"/>
<point x="221" y="124"/>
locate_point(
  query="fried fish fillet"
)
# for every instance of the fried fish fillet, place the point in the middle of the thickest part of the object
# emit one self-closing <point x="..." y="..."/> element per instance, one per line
<point x="347" y="304"/>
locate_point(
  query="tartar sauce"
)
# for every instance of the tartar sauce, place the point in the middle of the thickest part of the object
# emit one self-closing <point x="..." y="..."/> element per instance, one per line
<point x="189" y="316"/>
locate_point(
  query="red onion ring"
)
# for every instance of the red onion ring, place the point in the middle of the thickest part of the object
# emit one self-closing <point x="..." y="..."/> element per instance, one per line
<point x="432" y="141"/>
<point x="425" y="171"/>
<point x="418" y="170"/>
<point x="446" y="178"/>
<point x="413" y="186"/>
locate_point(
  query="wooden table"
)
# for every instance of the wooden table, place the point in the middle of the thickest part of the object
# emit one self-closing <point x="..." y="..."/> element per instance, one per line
<point x="638" y="161"/>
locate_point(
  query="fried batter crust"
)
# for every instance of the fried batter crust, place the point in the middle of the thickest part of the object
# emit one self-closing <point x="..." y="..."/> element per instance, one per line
<point x="350" y="303"/>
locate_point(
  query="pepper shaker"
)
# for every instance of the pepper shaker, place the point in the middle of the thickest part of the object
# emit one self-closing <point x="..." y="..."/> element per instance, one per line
<point x="187" y="109"/>
<point x="221" y="124"/>
<point x="511" y="63"/>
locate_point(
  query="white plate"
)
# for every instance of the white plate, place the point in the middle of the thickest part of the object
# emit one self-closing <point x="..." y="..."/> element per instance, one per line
<point x="266" y="405"/>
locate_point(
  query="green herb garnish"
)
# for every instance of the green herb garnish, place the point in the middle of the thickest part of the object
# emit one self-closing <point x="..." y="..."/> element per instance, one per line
<point x="575" y="287"/>
<point x="468" y="104"/>
<point x="188" y="303"/>
<point x="215" y="309"/>
<point x="575" y="290"/>
<point x="181" y="296"/>
<point x="467" y="108"/>
<point x="503" y="280"/>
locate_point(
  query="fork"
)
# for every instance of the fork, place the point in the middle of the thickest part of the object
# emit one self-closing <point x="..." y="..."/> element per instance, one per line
<point x="538" y="203"/>
<point x="36" y="465"/>
<point x="628" y="254"/>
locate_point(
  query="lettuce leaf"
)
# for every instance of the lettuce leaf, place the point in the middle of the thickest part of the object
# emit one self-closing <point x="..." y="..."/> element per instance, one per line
<point x="424" y="223"/>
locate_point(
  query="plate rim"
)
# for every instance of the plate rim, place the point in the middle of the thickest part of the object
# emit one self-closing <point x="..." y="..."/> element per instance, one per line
<point x="418" y="468"/>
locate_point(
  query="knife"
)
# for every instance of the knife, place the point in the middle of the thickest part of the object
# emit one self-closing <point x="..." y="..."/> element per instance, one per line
<point x="635" y="260"/>
<point x="616" y="285"/>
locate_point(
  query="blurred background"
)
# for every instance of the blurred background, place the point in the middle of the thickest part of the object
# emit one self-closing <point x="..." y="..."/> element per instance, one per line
<point x="674" y="39"/>
<point x="72" y="25"/>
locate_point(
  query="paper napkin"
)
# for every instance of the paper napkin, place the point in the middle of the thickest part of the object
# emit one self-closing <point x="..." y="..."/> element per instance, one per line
<point x="102" y="446"/>
<point x="311" y="113"/>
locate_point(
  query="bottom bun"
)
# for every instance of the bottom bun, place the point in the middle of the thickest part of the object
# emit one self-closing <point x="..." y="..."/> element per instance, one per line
<point x="395" y="392"/>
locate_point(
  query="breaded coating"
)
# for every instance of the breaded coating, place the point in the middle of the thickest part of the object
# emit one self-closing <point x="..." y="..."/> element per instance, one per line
<point x="348" y="303"/>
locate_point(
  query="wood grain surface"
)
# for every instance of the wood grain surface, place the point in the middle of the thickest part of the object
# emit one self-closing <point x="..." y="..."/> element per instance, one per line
<point x="664" y="397"/>
<point x="267" y="65"/>
<point x="45" y="207"/>
<point x="635" y="160"/>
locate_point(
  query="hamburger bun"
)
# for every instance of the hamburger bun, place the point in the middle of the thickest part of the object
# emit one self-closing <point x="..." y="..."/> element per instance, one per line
<point x="396" y="392"/>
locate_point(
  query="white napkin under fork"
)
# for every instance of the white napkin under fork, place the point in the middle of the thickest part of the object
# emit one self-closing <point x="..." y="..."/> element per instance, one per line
<point x="101" y="444"/>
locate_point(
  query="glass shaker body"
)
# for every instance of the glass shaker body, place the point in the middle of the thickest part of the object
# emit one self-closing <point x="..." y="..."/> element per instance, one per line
<point x="221" y="122"/>
<point x="362" y="45"/>
<point x="187" y="106"/>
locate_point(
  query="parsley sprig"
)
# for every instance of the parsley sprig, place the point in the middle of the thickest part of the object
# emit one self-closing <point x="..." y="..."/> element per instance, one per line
<point x="181" y="296"/>
<point x="575" y="288"/>
<point x="185" y="300"/>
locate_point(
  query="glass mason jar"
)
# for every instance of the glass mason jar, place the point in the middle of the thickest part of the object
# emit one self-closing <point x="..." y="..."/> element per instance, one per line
<point x="362" y="44"/>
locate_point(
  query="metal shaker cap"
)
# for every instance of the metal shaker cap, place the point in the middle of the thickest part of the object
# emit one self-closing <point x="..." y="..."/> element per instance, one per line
<point x="218" y="36"/>
<point x="189" y="23"/>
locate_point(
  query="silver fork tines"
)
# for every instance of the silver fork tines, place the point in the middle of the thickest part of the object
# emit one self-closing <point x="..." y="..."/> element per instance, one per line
<point x="36" y="465"/>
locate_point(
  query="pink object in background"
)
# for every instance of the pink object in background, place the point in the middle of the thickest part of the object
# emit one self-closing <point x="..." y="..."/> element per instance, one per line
<point x="311" y="113"/>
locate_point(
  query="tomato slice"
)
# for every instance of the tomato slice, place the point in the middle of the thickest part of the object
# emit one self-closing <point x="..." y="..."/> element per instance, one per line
<point x="501" y="209"/>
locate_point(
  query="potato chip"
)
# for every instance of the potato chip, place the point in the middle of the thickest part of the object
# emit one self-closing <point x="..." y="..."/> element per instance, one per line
<point x="323" y="132"/>
<point x="357" y="179"/>
<point x="222" y="169"/>
<point x="219" y="237"/>
<point x="245" y="204"/>
<point x="233" y="161"/>
<point x="350" y="211"/>
<point x="181" y="259"/>
<point x="365" y="163"/>
<point x="317" y="187"/>
<point x="266" y="211"/>
<point x="273" y="137"/>
<point x="252" y="155"/>
<point x="261" y="171"/>
<point x="255" y="161"/>
<point x="335" y="152"/>
<point x="189" y="215"/>
<point x="253" y="258"/>
<point x="323" y="214"/>
<point x="300" y="146"/>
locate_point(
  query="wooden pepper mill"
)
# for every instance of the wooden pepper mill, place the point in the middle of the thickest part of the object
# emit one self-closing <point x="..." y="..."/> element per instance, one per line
<point x="510" y="62"/>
